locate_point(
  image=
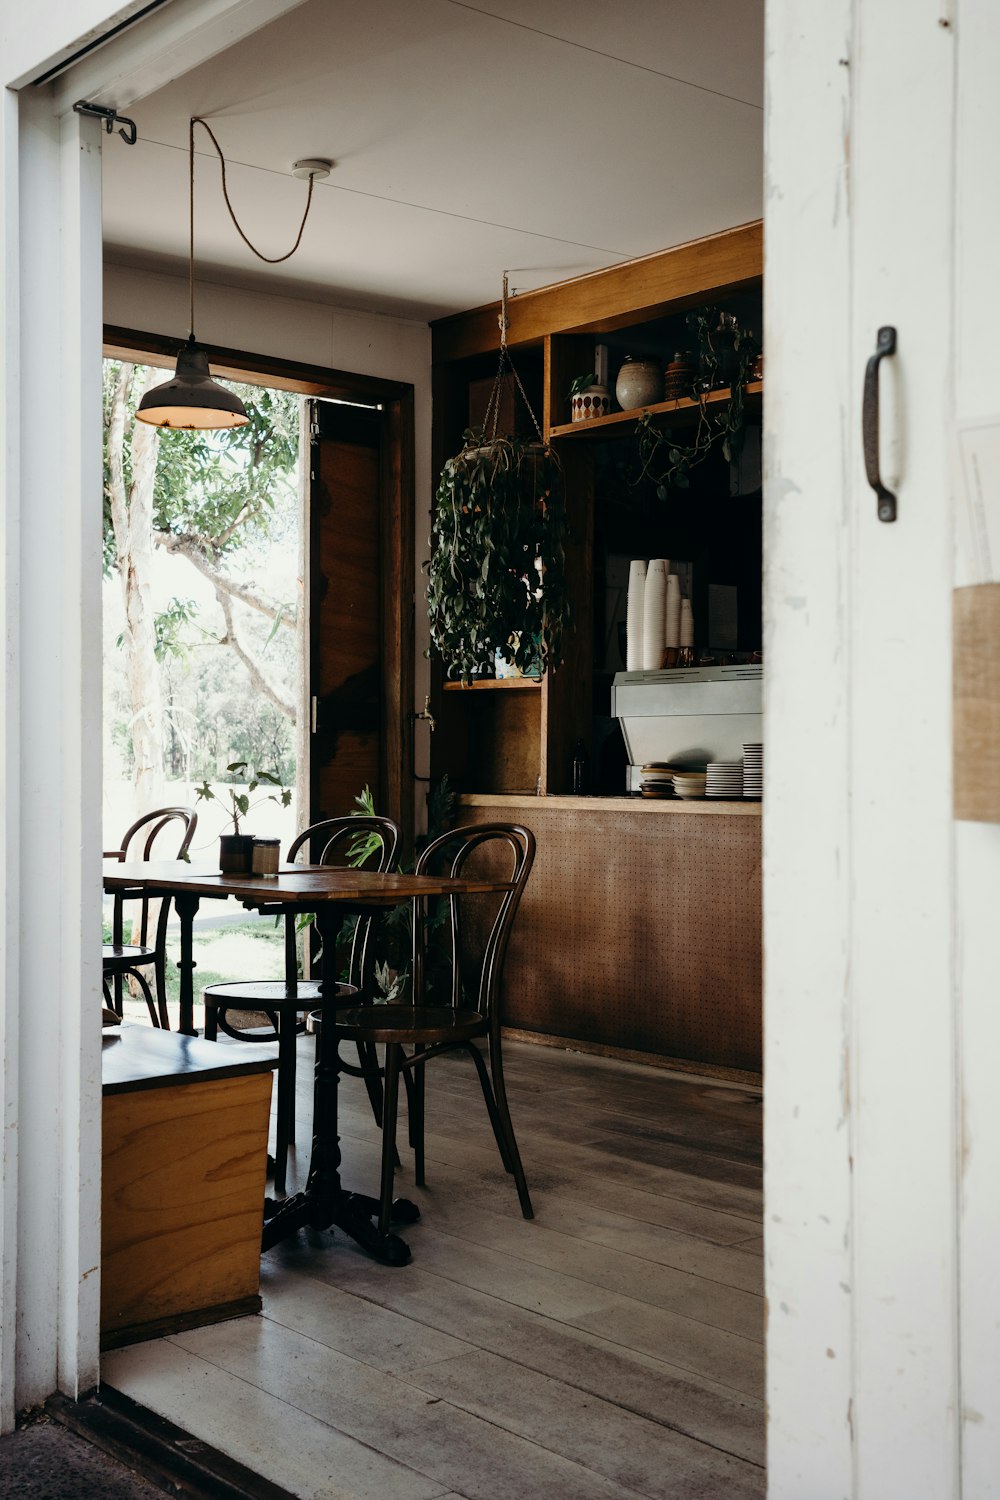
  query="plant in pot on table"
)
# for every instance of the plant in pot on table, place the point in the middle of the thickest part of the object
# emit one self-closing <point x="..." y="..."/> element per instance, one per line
<point x="236" y="848"/>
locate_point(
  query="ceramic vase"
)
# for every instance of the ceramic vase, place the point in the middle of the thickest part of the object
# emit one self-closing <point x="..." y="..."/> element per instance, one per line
<point x="639" y="383"/>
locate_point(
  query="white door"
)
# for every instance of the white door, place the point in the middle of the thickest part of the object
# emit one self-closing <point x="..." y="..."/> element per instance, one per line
<point x="882" y="955"/>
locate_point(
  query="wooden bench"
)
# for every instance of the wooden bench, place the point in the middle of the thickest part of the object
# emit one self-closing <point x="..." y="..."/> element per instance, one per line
<point x="184" y="1165"/>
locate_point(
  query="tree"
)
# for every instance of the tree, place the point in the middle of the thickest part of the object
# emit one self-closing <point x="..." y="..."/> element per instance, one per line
<point x="202" y="496"/>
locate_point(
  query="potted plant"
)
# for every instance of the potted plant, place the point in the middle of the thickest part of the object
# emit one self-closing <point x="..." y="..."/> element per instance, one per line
<point x="588" y="398"/>
<point x="727" y="354"/>
<point x="496" y="575"/>
<point x="236" y="848"/>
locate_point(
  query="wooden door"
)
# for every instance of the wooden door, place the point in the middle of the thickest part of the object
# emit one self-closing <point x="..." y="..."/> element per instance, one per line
<point x="359" y="593"/>
<point x="869" y="1151"/>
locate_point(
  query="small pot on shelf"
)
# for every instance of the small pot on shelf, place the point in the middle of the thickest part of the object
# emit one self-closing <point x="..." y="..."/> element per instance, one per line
<point x="592" y="401"/>
<point x="639" y="383"/>
<point x="236" y="853"/>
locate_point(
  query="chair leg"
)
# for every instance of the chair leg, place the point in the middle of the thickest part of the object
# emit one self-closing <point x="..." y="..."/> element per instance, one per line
<point x="147" y="995"/>
<point x="500" y="1093"/>
<point x="390" y="1099"/>
<point x="417" y="1117"/>
<point x="284" y="1133"/>
<point x="491" y="1105"/>
<point x="211" y="1022"/>
<point x="368" y="1063"/>
<point x="160" y="969"/>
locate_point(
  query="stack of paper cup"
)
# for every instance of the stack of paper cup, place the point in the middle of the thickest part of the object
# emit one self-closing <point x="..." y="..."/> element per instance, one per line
<point x="654" y="614"/>
<point x="687" y="623"/>
<point x="673" y="617"/>
<point x="634" y="615"/>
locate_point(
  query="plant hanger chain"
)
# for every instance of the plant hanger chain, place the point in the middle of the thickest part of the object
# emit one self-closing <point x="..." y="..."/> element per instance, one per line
<point x="506" y="363"/>
<point x="271" y="260"/>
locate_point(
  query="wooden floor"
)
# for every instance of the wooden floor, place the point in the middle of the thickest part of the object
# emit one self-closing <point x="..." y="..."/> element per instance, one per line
<point x="611" y="1348"/>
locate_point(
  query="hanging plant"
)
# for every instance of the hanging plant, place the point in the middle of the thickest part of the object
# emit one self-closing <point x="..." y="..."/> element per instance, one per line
<point x="497" y="581"/>
<point x="726" y="354"/>
<point x="496" y="575"/>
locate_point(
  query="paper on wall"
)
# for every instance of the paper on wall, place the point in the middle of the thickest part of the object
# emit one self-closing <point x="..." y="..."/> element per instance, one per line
<point x="977" y="532"/>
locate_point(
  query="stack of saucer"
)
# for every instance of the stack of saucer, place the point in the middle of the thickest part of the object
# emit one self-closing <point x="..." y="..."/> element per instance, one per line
<point x="753" y="771"/>
<point x="724" y="779"/>
<point x="689" y="784"/>
<point x="657" y="780"/>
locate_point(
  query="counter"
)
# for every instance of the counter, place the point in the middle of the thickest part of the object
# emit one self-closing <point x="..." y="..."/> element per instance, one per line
<point x="640" y="928"/>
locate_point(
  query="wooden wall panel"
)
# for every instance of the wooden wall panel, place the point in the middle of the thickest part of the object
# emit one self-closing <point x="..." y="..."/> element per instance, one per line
<point x="639" y="932"/>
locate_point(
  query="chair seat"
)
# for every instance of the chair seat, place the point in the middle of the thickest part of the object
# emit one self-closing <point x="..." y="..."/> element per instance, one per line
<point x="407" y="1023"/>
<point x="117" y="957"/>
<point x="258" y="994"/>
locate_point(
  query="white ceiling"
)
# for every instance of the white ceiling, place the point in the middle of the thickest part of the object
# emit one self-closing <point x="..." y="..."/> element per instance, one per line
<point x="546" y="137"/>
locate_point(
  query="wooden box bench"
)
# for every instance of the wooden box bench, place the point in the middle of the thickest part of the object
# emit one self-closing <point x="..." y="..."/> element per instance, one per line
<point x="184" y="1165"/>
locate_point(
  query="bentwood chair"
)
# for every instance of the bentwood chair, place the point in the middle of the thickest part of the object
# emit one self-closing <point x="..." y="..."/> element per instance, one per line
<point x="145" y="840"/>
<point x="478" y="941"/>
<point x="284" y="1002"/>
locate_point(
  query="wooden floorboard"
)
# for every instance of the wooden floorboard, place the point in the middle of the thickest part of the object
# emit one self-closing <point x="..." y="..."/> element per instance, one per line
<point x="610" y="1348"/>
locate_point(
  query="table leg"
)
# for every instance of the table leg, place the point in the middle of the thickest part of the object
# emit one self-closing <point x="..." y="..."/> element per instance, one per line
<point x="187" y="905"/>
<point x="324" y="1203"/>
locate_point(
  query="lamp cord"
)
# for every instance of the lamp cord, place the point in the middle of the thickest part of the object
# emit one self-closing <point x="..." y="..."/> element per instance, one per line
<point x="271" y="260"/>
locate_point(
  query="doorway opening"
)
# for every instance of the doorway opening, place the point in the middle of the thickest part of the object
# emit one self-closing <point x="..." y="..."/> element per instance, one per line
<point x="234" y="627"/>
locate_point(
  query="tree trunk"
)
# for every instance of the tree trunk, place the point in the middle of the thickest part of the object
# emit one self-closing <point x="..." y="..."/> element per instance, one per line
<point x="132" y="518"/>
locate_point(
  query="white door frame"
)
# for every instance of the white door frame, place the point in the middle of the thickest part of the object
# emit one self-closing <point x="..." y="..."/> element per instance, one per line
<point x="864" y="1151"/>
<point x="50" y="671"/>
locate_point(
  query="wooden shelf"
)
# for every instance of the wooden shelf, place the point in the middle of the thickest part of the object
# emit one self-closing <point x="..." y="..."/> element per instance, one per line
<point x="494" y="685"/>
<point x="684" y="409"/>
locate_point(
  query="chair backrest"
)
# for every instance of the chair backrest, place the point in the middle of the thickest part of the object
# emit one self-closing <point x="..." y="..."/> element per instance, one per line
<point x="341" y="841"/>
<point x="475" y="978"/>
<point x="147" y="840"/>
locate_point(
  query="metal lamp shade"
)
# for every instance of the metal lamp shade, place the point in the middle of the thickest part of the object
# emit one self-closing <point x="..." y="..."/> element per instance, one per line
<point x="192" y="399"/>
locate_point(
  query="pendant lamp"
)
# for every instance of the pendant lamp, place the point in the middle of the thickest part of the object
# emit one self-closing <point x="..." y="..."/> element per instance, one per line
<point x="192" y="400"/>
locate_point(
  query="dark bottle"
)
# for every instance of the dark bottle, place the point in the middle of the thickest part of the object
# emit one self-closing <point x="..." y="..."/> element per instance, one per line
<point x="581" y="770"/>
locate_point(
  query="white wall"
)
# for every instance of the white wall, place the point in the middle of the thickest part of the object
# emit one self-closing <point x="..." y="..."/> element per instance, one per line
<point x="34" y="36"/>
<point x="313" y="333"/>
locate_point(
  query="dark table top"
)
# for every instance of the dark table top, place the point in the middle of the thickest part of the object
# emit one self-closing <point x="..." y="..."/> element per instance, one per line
<point x="142" y="1057"/>
<point x="294" y="884"/>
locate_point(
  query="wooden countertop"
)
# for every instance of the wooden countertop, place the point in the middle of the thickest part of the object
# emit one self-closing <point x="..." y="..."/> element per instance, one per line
<point x="658" y="806"/>
<point x="141" y="1057"/>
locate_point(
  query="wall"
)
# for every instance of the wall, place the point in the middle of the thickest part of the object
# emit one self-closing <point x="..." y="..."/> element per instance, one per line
<point x="313" y="333"/>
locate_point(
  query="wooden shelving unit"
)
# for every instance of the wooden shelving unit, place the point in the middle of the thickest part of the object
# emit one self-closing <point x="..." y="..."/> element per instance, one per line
<point x="517" y="735"/>
<point x="684" y="409"/>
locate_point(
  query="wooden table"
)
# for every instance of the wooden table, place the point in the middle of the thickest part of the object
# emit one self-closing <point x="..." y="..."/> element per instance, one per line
<point x="330" y="894"/>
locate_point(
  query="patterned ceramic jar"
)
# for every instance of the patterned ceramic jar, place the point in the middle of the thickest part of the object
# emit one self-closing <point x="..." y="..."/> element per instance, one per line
<point x="593" y="402"/>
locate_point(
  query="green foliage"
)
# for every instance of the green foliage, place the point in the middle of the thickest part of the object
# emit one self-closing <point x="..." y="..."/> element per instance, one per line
<point x="496" y="575"/>
<point x="726" y="356"/>
<point x="211" y="486"/>
<point x="393" y="931"/>
<point x="239" y="802"/>
<point x="582" y="383"/>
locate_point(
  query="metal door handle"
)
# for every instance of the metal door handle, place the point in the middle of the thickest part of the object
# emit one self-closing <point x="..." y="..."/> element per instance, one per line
<point x="885" y="344"/>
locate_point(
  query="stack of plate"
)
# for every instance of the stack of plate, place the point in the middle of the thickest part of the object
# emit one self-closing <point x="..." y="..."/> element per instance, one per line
<point x="753" y="771"/>
<point x="689" y="784"/>
<point x="724" y="779"/>
<point x="657" y="780"/>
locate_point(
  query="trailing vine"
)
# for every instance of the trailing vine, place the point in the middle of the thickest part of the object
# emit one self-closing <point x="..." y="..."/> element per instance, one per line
<point x="496" y="575"/>
<point x="726" y="356"/>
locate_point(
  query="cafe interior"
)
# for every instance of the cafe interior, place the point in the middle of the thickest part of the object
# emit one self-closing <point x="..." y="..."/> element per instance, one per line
<point x="498" y="1232"/>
